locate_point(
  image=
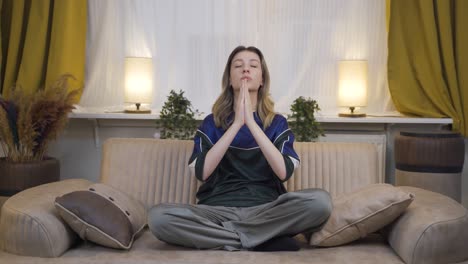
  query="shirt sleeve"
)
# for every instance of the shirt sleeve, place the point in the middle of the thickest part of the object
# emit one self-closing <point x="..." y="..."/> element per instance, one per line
<point x="284" y="141"/>
<point x="202" y="144"/>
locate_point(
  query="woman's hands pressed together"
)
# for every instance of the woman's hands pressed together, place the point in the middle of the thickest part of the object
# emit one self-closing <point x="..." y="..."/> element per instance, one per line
<point x="244" y="111"/>
<point x="239" y="118"/>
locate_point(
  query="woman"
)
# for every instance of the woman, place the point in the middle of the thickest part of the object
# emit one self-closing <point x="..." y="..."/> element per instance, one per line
<point x="243" y="152"/>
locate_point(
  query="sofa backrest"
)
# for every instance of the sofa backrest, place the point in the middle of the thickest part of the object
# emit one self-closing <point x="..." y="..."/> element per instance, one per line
<point x="337" y="167"/>
<point x="155" y="170"/>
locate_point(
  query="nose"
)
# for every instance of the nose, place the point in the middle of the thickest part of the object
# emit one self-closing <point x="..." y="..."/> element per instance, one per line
<point x="246" y="69"/>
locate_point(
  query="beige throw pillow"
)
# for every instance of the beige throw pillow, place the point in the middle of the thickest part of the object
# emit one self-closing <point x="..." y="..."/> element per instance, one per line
<point x="361" y="212"/>
<point x="103" y="215"/>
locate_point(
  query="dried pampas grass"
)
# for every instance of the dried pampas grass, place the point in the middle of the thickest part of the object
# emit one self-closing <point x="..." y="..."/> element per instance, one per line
<point x="28" y="122"/>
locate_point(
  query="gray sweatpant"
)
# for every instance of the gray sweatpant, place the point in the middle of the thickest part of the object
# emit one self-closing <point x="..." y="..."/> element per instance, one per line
<point x="234" y="228"/>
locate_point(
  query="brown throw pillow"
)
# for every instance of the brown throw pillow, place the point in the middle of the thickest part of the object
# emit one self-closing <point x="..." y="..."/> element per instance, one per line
<point x="103" y="215"/>
<point x="361" y="212"/>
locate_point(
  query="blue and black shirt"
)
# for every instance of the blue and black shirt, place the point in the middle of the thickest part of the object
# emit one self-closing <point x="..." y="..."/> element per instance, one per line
<point x="243" y="177"/>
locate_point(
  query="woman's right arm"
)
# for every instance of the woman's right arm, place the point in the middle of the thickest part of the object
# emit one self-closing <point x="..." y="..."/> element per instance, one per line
<point x="216" y="153"/>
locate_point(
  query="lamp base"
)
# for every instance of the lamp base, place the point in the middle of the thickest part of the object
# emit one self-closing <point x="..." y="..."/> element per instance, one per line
<point x="352" y="115"/>
<point x="135" y="111"/>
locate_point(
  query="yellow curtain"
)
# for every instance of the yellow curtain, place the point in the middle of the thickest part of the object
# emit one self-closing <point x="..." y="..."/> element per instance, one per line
<point x="41" y="40"/>
<point x="428" y="59"/>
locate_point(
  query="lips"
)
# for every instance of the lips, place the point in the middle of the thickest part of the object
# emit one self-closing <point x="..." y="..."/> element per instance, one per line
<point x="246" y="78"/>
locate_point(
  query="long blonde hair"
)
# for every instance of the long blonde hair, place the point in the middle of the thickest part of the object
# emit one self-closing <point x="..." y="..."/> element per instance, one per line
<point x="224" y="105"/>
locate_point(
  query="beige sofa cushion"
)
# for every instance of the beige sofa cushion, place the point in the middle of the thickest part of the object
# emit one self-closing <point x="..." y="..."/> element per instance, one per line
<point x="434" y="229"/>
<point x="361" y="212"/>
<point x="103" y="214"/>
<point x="337" y="167"/>
<point x="30" y="224"/>
<point x="160" y="169"/>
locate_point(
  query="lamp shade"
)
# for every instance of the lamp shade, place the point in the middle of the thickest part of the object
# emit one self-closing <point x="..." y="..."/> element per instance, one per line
<point x="352" y="83"/>
<point x="138" y="80"/>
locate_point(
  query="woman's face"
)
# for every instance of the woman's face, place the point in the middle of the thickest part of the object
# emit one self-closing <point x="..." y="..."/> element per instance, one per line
<point x="246" y="65"/>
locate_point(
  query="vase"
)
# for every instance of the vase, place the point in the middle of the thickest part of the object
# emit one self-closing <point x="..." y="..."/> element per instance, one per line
<point x="431" y="160"/>
<point x="18" y="176"/>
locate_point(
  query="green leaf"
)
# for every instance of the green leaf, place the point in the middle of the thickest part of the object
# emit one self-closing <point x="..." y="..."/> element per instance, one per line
<point x="302" y="120"/>
<point x="177" y="117"/>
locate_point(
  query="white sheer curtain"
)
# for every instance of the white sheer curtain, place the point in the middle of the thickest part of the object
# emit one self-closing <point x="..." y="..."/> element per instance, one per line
<point x="190" y="40"/>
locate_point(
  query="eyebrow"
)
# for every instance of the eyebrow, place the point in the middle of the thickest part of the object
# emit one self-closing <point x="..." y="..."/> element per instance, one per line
<point x="249" y="60"/>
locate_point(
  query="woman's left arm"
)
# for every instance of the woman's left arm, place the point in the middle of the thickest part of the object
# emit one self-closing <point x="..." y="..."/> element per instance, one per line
<point x="271" y="153"/>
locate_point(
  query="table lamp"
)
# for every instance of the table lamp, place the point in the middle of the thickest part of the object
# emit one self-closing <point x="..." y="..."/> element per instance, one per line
<point x="138" y="83"/>
<point x="352" y="86"/>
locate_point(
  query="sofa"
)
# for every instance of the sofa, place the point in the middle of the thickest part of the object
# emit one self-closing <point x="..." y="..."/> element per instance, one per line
<point x="431" y="228"/>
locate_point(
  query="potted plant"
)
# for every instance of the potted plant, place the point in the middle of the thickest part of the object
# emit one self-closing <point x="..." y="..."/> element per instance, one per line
<point x="177" y="117"/>
<point x="28" y="122"/>
<point x="302" y="120"/>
